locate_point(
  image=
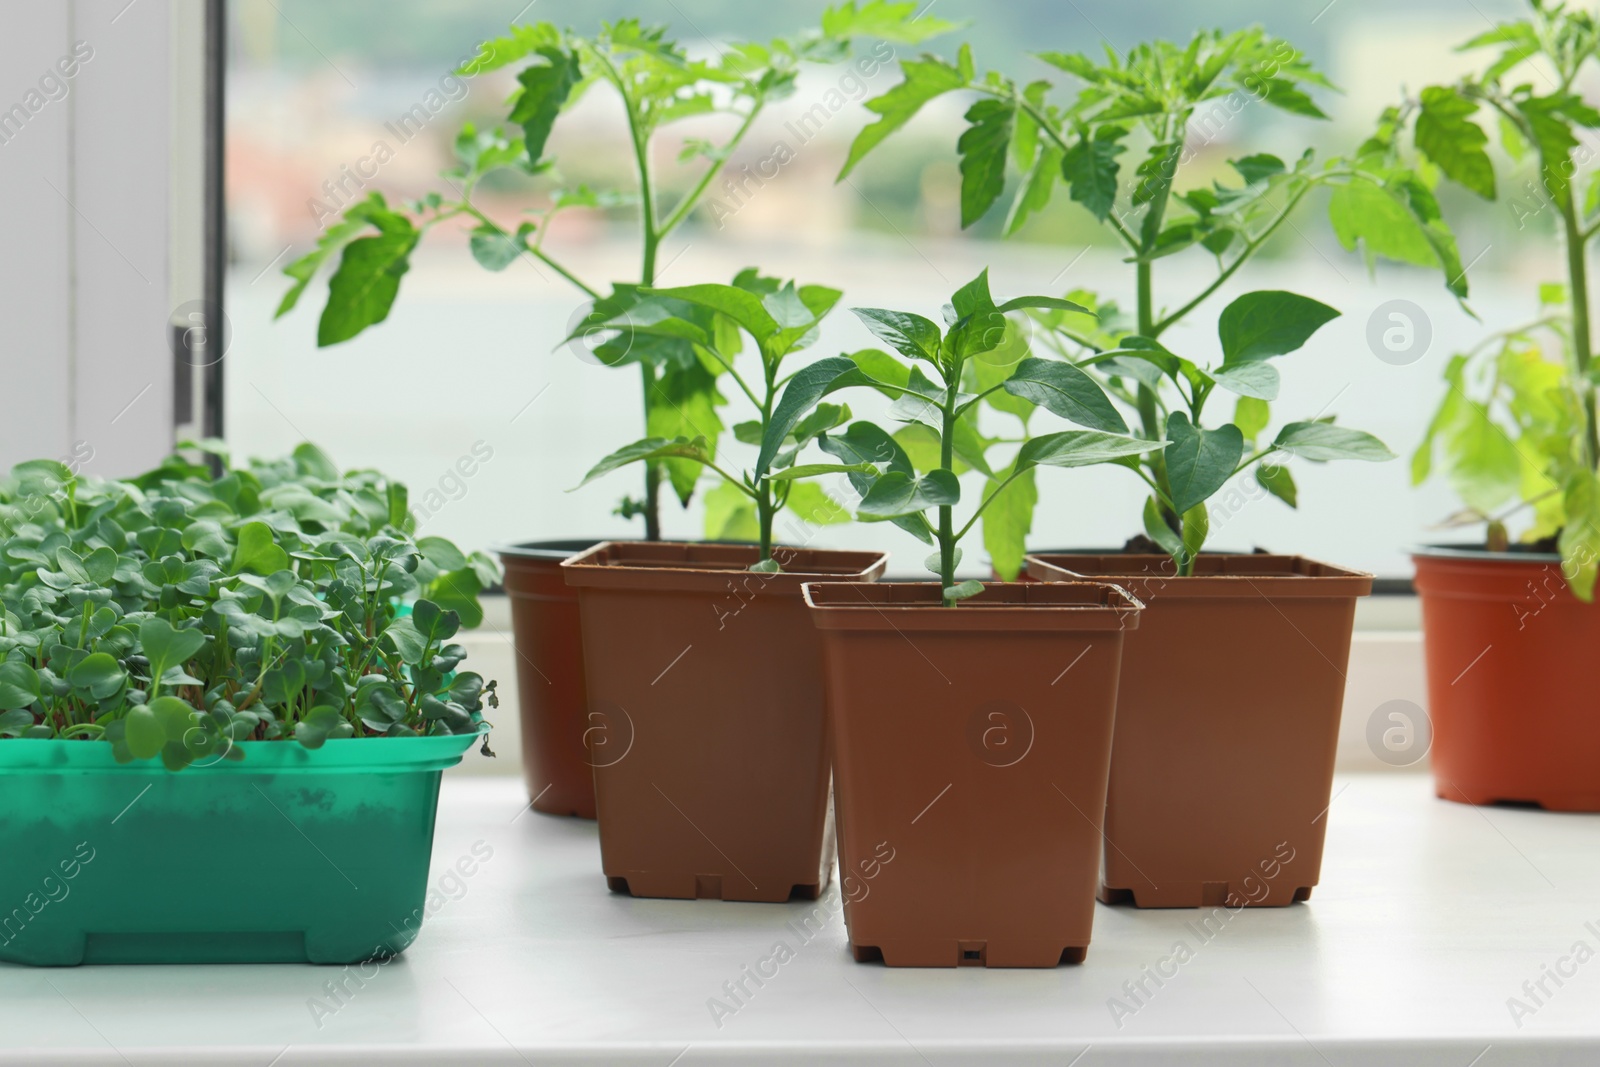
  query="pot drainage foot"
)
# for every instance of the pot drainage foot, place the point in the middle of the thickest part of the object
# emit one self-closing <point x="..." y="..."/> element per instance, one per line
<point x="618" y="885"/>
<point x="867" y="953"/>
<point x="1075" y="954"/>
<point x="807" y="892"/>
<point x="1108" y="895"/>
<point x="708" y="886"/>
<point x="1302" y="894"/>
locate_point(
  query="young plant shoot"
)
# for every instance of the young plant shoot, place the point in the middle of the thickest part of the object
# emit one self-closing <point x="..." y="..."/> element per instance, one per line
<point x="657" y="85"/>
<point x="1154" y="100"/>
<point x="1516" y="429"/>
<point x="176" y="614"/>
<point x="709" y="323"/>
<point x="929" y="392"/>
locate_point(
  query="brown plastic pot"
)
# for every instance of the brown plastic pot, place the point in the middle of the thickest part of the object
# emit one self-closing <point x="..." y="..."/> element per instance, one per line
<point x="1227" y="725"/>
<point x="1510" y="654"/>
<point x="708" y="732"/>
<point x="550" y="693"/>
<point x="970" y="753"/>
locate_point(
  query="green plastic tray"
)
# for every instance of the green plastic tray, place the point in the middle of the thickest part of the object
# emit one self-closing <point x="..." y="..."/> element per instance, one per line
<point x="289" y="855"/>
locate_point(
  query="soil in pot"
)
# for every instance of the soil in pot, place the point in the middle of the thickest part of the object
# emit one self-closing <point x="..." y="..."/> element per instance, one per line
<point x="1509" y="654"/>
<point x="550" y="693"/>
<point x="707" y="727"/>
<point x="1227" y="725"/>
<point x="971" y="747"/>
<point x="287" y="856"/>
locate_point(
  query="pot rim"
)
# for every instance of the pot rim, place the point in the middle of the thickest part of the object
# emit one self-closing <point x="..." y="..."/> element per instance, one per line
<point x="1245" y="574"/>
<point x="1081" y="605"/>
<point x="1480" y="555"/>
<point x="710" y="567"/>
<point x="348" y="755"/>
<point x="554" y="550"/>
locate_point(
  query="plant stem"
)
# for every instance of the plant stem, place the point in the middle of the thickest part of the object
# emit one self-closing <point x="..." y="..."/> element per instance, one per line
<point x="947" y="534"/>
<point x="1582" y="337"/>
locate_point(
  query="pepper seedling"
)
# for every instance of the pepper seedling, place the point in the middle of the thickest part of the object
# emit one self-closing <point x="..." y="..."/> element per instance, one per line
<point x="781" y="320"/>
<point x="928" y="391"/>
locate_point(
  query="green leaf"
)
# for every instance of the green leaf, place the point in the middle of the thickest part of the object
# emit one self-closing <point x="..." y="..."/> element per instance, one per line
<point x="1283" y="94"/>
<point x="799" y="397"/>
<point x="1269" y="323"/>
<point x="897" y="494"/>
<point x="962" y="590"/>
<point x="925" y="79"/>
<point x="363" y="289"/>
<point x="144" y="733"/>
<point x="1037" y="185"/>
<point x="731" y="515"/>
<point x="812" y="470"/>
<point x="19" y="685"/>
<point x="811" y="504"/>
<point x="647" y="449"/>
<point x="321" y="724"/>
<point x="1258" y="380"/>
<point x="1555" y="140"/>
<point x="1279" y="482"/>
<point x="458" y="591"/>
<point x="1081" y="448"/>
<point x="1580" y="536"/>
<point x="1089" y="167"/>
<point x="1446" y="135"/>
<point x="1199" y="461"/>
<point x="1066" y="391"/>
<point x="1007" y="521"/>
<point x="1156" y="528"/>
<point x="904" y="22"/>
<point x="911" y="335"/>
<point x="1363" y="213"/>
<point x="1196" y="528"/>
<point x="15" y="722"/>
<point x="1321" y="441"/>
<point x="494" y="249"/>
<point x="257" y="552"/>
<point x="864" y="444"/>
<point x="1258" y="168"/>
<point x="313" y="462"/>
<point x="983" y="147"/>
<point x="742" y="306"/>
<point x="683" y="402"/>
<point x="99" y="674"/>
<point x="166" y="647"/>
<point x="545" y="88"/>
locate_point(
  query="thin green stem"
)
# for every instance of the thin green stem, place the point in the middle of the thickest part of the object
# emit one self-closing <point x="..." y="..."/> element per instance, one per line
<point x="687" y="204"/>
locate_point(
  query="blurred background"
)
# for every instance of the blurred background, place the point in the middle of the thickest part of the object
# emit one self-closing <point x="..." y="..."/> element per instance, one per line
<point x="470" y="363"/>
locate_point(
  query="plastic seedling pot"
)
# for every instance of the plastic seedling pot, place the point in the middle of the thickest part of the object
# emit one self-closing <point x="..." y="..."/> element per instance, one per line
<point x="1227" y="725"/>
<point x="1510" y="693"/>
<point x="971" y="747"/>
<point x="708" y="734"/>
<point x="290" y="855"/>
<point x="551" y="698"/>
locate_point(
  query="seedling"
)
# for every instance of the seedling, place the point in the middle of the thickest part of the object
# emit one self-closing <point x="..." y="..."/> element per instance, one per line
<point x="1157" y="97"/>
<point x="657" y="85"/>
<point x="879" y="467"/>
<point x="177" y="614"/>
<point x="1516" y="429"/>
<point x="711" y="321"/>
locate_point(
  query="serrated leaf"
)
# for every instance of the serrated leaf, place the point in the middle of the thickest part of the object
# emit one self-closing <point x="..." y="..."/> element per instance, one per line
<point x="983" y="148"/>
<point x="1447" y="136"/>
<point x="924" y="80"/>
<point x="1089" y="168"/>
